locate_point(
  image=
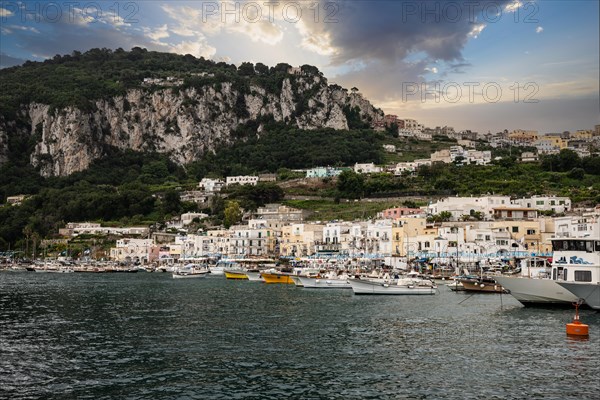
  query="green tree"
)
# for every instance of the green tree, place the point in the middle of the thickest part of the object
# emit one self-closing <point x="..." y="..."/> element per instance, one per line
<point x="351" y="185"/>
<point x="232" y="213"/>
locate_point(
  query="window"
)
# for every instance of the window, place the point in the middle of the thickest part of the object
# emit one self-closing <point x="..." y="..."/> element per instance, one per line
<point x="487" y="237"/>
<point x="515" y="229"/>
<point x="531" y="231"/>
<point x="583" y="276"/>
<point x="539" y="202"/>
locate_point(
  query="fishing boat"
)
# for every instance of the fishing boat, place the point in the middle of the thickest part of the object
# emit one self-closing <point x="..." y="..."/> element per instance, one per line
<point x="235" y="274"/>
<point x="573" y="260"/>
<point x="410" y="285"/>
<point x="330" y="281"/>
<point x="271" y="276"/>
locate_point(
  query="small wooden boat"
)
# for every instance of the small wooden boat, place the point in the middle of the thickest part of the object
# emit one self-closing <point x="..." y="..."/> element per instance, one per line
<point x="483" y="285"/>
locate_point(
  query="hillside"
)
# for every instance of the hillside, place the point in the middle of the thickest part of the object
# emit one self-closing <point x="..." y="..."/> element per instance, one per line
<point x="72" y="109"/>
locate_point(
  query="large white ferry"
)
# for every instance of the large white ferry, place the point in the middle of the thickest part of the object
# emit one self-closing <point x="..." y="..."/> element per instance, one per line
<point x="573" y="260"/>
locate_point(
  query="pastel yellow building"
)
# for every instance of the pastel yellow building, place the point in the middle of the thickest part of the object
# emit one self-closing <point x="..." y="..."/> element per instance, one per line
<point x="535" y="234"/>
<point x="406" y="229"/>
<point x="298" y="240"/>
<point x="523" y="136"/>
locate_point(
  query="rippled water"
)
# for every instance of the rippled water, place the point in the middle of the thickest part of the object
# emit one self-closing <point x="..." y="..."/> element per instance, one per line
<point x="147" y="336"/>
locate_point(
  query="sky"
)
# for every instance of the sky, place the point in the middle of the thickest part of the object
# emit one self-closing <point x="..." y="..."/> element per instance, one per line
<point x="483" y="65"/>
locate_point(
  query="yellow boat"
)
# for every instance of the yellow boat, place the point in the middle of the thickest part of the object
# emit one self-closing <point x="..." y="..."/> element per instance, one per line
<point x="239" y="275"/>
<point x="277" y="277"/>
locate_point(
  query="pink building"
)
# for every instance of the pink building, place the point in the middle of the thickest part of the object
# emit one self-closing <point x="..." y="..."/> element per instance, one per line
<point x="392" y="213"/>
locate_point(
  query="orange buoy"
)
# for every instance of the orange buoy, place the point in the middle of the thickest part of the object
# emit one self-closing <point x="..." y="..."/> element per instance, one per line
<point x="577" y="328"/>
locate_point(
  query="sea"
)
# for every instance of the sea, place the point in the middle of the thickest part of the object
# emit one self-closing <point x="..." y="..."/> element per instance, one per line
<point x="148" y="336"/>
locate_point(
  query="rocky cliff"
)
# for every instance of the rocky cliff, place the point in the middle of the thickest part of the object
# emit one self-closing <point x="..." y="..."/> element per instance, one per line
<point x="182" y="122"/>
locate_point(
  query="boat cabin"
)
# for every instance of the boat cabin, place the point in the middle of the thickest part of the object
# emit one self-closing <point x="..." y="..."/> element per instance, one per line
<point x="576" y="260"/>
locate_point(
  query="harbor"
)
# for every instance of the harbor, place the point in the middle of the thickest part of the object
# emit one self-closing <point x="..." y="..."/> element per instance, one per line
<point x="103" y="336"/>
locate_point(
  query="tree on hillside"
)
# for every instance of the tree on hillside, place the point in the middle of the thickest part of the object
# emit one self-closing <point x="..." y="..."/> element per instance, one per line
<point x="233" y="213"/>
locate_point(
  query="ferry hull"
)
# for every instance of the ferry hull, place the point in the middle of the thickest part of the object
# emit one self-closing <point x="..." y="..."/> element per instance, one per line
<point x="590" y="292"/>
<point x="532" y="292"/>
<point x="277" y="278"/>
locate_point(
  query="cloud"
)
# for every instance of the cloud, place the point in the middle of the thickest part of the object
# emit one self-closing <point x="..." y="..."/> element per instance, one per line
<point x="392" y="30"/>
<point x="476" y="30"/>
<point x="190" y="21"/>
<point x="7" y="61"/>
<point x="4" y="13"/>
<point x="198" y="48"/>
<point x="156" y="34"/>
<point x="539" y="29"/>
<point x="513" y="6"/>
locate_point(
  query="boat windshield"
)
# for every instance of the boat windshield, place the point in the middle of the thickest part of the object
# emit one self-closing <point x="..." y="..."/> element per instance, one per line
<point x="575" y="245"/>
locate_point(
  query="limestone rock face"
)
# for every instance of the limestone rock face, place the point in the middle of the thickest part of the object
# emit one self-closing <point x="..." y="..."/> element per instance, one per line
<point x="183" y="123"/>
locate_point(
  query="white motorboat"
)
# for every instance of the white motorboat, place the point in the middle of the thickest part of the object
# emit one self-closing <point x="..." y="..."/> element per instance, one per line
<point x="190" y="271"/>
<point x="588" y="292"/>
<point x="573" y="260"/>
<point x="329" y="281"/>
<point x="410" y="285"/>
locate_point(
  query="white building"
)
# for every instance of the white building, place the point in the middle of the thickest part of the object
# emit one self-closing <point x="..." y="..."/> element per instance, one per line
<point x="189" y="217"/>
<point x="459" y="206"/>
<point x="577" y="226"/>
<point x="546" y="203"/>
<point x="241" y="180"/>
<point x="131" y="250"/>
<point x="211" y="185"/>
<point x="93" y="228"/>
<point x="367" y="168"/>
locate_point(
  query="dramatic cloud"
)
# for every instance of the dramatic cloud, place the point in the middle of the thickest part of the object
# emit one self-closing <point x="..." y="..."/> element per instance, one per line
<point x="392" y="30"/>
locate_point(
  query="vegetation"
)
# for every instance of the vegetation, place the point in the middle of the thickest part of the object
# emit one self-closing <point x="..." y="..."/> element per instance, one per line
<point x="79" y="79"/>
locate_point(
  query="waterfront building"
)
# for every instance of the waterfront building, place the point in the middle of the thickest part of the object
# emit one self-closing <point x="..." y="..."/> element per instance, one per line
<point x="132" y="250"/>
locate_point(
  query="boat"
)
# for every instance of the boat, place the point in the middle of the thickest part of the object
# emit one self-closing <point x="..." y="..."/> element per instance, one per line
<point x="190" y="271"/>
<point x="254" y="275"/>
<point x="235" y="274"/>
<point x="588" y="292"/>
<point x="271" y="276"/>
<point x="410" y="285"/>
<point x="330" y="281"/>
<point x="456" y="286"/>
<point x="484" y="284"/>
<point x="573" y="260"/>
